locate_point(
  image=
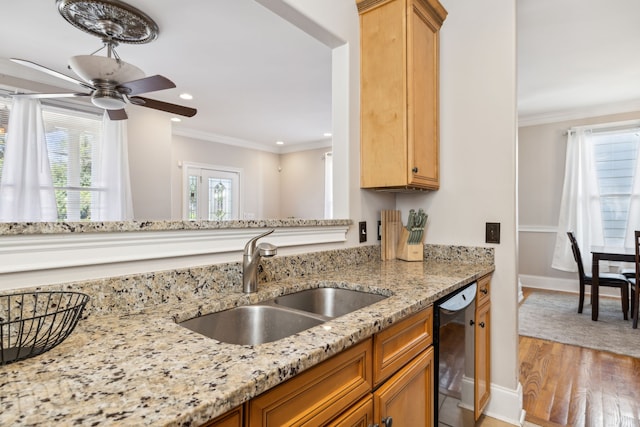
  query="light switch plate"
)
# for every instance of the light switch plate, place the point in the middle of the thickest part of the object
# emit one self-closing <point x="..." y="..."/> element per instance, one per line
<point x="492" y="233"/>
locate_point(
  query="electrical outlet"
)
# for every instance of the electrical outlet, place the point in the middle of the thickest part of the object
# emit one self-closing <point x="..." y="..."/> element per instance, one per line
<point x="492" y="233"/>
<point x="362" y="231"/>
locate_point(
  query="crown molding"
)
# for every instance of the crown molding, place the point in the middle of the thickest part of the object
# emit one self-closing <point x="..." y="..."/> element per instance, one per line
<point x="578" y="113"/>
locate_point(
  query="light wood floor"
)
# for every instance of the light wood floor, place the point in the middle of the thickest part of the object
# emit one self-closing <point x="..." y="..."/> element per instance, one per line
<point x="565" y="385"/>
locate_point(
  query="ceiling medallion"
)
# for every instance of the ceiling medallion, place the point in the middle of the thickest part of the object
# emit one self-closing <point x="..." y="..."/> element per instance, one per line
<point x="111" y="20"/>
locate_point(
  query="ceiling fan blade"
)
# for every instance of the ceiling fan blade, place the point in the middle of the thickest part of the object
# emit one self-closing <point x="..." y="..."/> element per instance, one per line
<point x="144" y="85"/>
<point x="51" y="72"/>
<point x="164" y="106"/>
<point x="50" y="95"/>
<point x="117" y="114"/>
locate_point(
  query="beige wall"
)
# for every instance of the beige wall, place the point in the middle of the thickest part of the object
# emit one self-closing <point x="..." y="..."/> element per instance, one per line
<point x="302" y="184"/>
<point x="541" y="163"/>
<point x="149" y="141"/>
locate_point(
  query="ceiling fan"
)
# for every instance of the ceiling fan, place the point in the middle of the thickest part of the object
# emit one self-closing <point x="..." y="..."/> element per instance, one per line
<point x="111" y="82"/>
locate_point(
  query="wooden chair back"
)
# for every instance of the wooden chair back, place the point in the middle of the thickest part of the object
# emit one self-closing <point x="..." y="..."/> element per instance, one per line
<point x="576" y="254"/>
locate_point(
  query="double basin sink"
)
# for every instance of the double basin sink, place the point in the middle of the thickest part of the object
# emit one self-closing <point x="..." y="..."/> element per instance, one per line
<point x="280" y="317"/>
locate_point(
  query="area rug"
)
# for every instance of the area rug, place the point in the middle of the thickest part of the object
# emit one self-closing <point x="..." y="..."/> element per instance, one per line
<point x="554" y="316"/>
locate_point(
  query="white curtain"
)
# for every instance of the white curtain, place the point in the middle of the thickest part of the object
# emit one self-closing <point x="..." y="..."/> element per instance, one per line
<point x="111" y="174"/>
<point x="26" y="187"/>
<point x="580" y="204"/>
<point x="328" y="185"/>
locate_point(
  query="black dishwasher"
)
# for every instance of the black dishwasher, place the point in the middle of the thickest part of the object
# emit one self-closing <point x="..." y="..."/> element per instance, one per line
<point x="454" y="317"/>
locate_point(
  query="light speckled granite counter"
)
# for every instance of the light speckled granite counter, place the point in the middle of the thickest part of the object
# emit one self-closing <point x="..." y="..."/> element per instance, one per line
<point x="133" y="365"/>
<point x="15" y="228"/>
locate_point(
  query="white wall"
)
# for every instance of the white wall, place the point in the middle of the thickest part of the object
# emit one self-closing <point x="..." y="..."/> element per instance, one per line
<point x="478" y="167"/>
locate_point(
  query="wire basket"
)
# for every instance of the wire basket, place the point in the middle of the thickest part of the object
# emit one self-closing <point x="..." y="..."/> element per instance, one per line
<point x="35" y="322"/>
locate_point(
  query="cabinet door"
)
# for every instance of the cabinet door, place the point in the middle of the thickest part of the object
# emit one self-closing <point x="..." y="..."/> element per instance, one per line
<point x="383" y="101"/>
<point x="359" y="415"/>
<point x="407" y="397"/>
<point x="422" y="91"/>
<point x="483" y="358"/>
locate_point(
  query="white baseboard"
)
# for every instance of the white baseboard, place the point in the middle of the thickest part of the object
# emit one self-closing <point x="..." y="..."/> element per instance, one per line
<point x="563" y="285"/>
<point x="506" y="405"/>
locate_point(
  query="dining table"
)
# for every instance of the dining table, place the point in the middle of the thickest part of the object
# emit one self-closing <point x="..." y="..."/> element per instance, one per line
<point x="601" y="253"/>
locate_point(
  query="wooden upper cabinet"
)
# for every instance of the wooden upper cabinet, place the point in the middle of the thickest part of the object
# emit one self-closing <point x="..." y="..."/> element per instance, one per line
<point x="399" y="44"/>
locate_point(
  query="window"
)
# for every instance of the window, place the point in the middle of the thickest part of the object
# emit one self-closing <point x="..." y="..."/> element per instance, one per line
<point x="615" y="155"/>
<point x="72" y="141"/>
<point x="211" y="193"/>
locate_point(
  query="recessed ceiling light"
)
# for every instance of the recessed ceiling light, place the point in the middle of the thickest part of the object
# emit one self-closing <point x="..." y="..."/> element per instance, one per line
<point x="280" y="142"/>
<point x="327" y="134"/>
<point x="186" y="96"/>
<point x="176" y="119"/>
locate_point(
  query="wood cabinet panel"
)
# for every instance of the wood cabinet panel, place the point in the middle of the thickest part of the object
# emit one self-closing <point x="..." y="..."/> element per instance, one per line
<point x="396" y="345"/>
<point x="360" y="415"/>
<point x="407" y="397"/>
<point x="316" y="396"/>
<point x="233" y="418"/>
<point x="483" y="358"/>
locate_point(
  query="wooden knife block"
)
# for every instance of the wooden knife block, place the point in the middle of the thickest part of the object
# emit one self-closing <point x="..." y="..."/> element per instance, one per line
<point x="408" y="252"/>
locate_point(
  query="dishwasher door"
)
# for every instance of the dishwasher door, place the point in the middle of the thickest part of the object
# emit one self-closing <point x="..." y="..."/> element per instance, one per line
<point x="454" y="340"/>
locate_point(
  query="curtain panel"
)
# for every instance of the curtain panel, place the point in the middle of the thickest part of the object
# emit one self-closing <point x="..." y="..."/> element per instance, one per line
<point x="26" y="186"/>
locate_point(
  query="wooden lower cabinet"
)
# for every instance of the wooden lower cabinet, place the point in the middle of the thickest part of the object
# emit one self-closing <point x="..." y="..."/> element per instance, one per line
<point x="482" y="346"/>
<point x="482" y="385"/>
<point x="407" y="397"/>
<point x="341" y="391"/>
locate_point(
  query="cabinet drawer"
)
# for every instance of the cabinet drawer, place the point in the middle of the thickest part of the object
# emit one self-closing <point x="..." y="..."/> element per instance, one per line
<point x="316" y="396"/>
<point x="395" y="346"/>
<point x="484" y="290"/>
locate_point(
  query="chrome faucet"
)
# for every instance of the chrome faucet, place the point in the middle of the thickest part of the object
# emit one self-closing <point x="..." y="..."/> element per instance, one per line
<point x="251" y="259"/>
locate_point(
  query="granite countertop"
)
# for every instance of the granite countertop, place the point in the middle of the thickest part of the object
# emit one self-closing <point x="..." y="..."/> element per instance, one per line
<point x="142" y="368"/>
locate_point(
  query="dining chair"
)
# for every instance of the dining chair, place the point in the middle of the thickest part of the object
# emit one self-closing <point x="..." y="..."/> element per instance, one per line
<point x="635" y="283"/>
<point x="613" y="280"/>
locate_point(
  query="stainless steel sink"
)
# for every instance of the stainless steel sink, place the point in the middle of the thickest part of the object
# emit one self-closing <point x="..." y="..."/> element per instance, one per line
<point x="330" y="302"/>
<point x="251" y="324"/>
<point x="280" y="317"/>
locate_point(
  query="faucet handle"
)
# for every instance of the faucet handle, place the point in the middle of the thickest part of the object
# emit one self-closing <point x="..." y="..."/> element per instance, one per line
<point x="250" y="247"/>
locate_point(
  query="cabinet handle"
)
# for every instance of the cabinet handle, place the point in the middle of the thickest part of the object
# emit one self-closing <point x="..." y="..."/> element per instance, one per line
<point x="484" y="291"/>
<point x="387" y="422"/>
<point x="482" y="324"/>
<point x="373" y="425"/>
<point x="414" y="170"/>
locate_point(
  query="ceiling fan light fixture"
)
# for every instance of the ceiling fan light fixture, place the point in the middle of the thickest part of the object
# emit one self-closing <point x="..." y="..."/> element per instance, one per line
<point x="108" y="99"/>
<point x="92" y="68"/>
